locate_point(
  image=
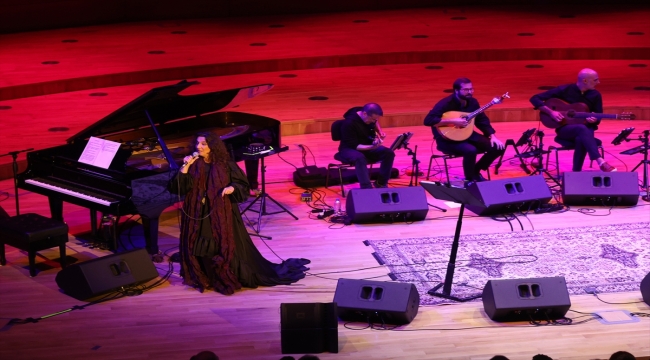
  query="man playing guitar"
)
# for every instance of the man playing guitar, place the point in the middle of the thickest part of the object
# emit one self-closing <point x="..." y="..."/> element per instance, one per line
<point x="583" y="91"/>
<point x="462" y="100"/>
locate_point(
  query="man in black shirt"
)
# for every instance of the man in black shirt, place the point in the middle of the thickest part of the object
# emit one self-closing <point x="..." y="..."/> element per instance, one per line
<point x="361" y="143"/>
<point x="462" y="100"/>
<point x="583" y="91"/>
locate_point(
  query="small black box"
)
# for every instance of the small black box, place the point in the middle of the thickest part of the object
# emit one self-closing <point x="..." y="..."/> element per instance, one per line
<point x="309" y="328"/>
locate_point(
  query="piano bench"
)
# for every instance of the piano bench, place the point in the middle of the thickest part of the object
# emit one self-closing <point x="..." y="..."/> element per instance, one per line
<point x="32" y="233"/>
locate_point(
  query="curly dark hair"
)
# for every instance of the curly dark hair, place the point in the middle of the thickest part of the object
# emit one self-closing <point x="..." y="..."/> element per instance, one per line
<point x="218" y="152"/>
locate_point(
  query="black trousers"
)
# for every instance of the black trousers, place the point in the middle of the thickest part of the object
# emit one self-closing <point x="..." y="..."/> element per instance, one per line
<point x="469" y="149"/>
<point x="361" y="159"/>
<point x="585" y="143"/>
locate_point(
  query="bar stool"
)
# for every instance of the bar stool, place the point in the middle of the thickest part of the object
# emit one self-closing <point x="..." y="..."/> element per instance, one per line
<point x="32" y="232"/>
<point x="569" y="145"/>
<point x="444" y="158"/>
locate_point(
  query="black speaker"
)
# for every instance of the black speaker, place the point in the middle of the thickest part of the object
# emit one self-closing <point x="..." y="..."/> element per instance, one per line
<point x="95" y="277"/>
<point x="645" y="289"/>
<point x="387" y="204"/>
<point x="526" y="299"/>
<point x="309" y="328"/>
<point x="377" y="301"/>
<point x="509" y="195"/>
<point x="600" y="188"/>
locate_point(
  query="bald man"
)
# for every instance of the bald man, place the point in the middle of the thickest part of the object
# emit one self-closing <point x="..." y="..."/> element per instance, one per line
<point x="583" y="91"/>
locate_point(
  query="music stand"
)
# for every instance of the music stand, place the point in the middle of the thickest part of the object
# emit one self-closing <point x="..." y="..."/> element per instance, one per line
<point x="401" y="140"/>
<point x="644" y="149"/>
<point x="263" y="196"/>
<point x="526" y="138"/>
<point x="462" y="196"/>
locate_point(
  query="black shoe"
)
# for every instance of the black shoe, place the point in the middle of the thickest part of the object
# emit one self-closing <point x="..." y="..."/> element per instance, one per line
<point x="380" y="186"/>
<point x="478" y="177"/>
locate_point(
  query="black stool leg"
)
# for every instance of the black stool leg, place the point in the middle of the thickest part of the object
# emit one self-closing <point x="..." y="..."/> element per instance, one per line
<point x="341" y="181"/>
<point x="32" y="262"/>
<point x="429" y="170"/>
<point x="62" y="255"/>
<point x="327" y="176"/>
<point x="446" y="171"/>
<point x="3" y="260"/>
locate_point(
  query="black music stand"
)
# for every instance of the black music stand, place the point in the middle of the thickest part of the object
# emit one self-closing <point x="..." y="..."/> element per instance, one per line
<point x="644" y="149"/>
<point x="526" y="138"/>
<point x="463" y="197"/>
<point x="263" y="196"/>
<point x="402" y="142"/>
<point x="14" y="160"/>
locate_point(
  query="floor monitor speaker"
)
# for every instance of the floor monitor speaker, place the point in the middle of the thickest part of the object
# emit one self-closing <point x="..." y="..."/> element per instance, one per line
<point x="645" y="289"/>
<point x="377" y="301"/>
<point x="600" y="188"/>
<point x="526" y="299"/>
<point x="308" y="328"/>
<point x="510" y="195"/>
<point x="387" y="204"/>
<point x="95" y="277"/>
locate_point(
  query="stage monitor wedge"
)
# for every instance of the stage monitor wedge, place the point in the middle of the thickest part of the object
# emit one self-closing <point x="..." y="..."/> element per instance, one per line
<point x="538" y="299"/>
<point x="510" y="195"/>
<point x="109" y="273"/>
<point x="377" y="301"/>
<point x="387" y="205"/>
<point x="599" y="188"/>
<point x="645" y="289"/>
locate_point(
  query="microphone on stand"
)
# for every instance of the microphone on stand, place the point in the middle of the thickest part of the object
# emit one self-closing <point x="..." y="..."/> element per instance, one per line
<point x="194" y="156"/>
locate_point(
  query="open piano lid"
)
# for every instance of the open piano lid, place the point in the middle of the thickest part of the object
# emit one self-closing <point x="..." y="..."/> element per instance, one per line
<point x="165" y="104"/>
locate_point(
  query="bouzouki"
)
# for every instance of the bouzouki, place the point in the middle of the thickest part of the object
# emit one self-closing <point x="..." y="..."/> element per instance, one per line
<point x="575" y="114"/>
<point x="457" y="133"/>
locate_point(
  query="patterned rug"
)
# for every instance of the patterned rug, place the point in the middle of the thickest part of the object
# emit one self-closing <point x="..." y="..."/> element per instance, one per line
<point x="611" y="258"/>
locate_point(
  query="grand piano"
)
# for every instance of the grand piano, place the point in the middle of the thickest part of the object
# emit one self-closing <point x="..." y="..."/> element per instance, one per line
<point x="154" y="132"/>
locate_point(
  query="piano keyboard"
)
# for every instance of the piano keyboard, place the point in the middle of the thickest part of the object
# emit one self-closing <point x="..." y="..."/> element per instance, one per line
<point x="86" y="195"/>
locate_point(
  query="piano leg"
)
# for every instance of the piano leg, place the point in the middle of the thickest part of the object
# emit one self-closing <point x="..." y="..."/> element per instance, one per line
<point x="56" y="208"/>
<point x="150" y="225"/>
<point x="93" y="223"/>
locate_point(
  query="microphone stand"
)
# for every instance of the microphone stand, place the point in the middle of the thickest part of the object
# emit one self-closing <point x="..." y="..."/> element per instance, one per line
<point x="645" y="161"/>
<point x="14" y="157"/>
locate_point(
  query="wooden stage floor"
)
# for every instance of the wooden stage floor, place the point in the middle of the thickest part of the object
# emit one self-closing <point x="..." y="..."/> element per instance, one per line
<point x="175" y="322"/>
<point x="406" y="60"/>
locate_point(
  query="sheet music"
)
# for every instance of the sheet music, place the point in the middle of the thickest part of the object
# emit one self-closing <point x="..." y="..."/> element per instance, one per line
<point x="99" y="152"/>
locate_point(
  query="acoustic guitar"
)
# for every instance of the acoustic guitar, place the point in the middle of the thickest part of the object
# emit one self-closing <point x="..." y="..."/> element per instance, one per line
<point x="575" y="114"/>
<point x="457" y="133"/>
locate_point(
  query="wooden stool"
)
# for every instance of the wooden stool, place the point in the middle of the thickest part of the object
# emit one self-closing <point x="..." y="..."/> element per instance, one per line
<point x="32" y="233"/>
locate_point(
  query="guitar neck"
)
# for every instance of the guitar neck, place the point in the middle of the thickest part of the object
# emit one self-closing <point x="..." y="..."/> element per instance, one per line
<point x="584" y="115"/>
<point x="479" y="110"/>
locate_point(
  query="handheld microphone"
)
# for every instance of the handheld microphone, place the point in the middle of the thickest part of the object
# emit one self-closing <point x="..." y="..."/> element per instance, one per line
<point x="194" y="156"/>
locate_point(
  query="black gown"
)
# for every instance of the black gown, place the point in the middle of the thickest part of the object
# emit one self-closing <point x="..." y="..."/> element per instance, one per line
<point x="247" y="264"/>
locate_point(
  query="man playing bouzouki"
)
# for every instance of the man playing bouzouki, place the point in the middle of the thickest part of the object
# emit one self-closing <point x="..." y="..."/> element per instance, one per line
<point x="462" y="100"/>
<point x="583" y="91"/>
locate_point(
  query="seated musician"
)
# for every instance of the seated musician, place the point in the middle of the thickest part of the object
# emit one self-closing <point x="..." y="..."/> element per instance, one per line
<point x="583" y="91"/>
<point x="462" y="100"/>
<point x="361" y="143"/>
